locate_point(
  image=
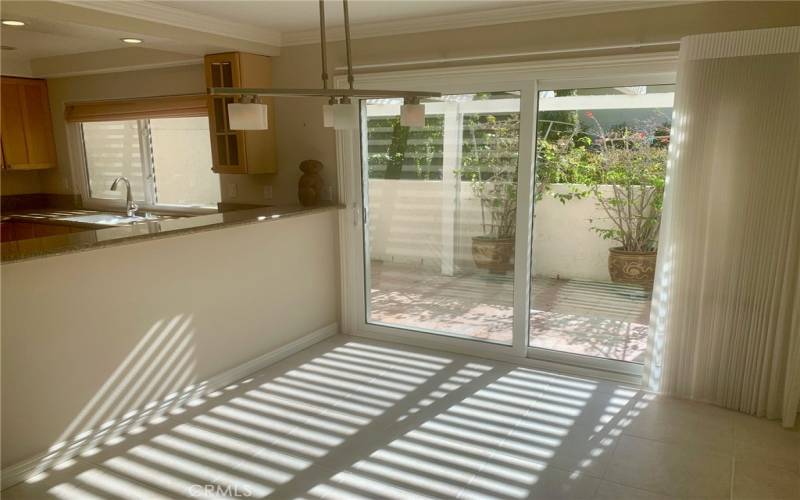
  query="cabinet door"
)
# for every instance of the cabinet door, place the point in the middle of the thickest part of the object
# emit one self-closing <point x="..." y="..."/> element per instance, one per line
<point x="227" y="146"/>
<point x="15" y="149"/>
<point x="38" y="127"/>
<point x="27" y="132"/>
<point x="7" y="231"/>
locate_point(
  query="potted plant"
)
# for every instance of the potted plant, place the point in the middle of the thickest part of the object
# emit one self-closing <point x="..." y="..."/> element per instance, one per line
<point x="624" y="171"/>
<point x="490" y="163"/>
<point x="633" y="164"/>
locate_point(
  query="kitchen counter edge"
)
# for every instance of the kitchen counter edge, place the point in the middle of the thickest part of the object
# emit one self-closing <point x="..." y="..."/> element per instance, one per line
<point x="24" y="250"/>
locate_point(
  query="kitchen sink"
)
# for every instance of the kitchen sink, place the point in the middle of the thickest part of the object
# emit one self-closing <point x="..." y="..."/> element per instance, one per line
<point x="106" y="219"/>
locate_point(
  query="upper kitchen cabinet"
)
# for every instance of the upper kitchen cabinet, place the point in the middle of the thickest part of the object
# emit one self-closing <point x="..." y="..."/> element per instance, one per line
<point x="26" y="130"/>
<point x="239" y="151"/>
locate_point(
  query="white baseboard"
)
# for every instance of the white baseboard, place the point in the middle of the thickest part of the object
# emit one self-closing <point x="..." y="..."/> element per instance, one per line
<point x="20" y="471"/>
<point x="239" y="372"/>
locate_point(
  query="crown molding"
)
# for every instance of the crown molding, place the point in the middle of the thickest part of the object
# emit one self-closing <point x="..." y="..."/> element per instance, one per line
<point x="110" y="61"/>
<point x="534" y="12"/>
<point x="179" y="18"/>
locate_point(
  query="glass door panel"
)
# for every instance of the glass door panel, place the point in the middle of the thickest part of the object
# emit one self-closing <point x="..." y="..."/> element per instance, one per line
<point x="441" y="207"/>
<point x="601" y="158"/>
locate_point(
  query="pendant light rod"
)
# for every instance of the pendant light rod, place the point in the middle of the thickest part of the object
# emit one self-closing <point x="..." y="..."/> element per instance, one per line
<point x="323" y="44"/>
<point x="270" y="92"/>
<point x="347" y="44"/>
<point x="343" y="94"/>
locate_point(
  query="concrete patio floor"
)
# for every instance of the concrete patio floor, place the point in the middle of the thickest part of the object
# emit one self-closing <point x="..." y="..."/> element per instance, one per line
<point x="583" y="317"/>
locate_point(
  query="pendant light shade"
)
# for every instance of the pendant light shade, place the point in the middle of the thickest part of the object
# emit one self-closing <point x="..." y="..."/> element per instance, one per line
<point x="345" y="116"/>
<point x="248" y="115"/>
<point x="327" y="113"/>
<point x="412" y="114"/>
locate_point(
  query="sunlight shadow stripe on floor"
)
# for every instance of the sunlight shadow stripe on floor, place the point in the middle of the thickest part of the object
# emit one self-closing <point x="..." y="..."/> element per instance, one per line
<point x="203" y="473"/>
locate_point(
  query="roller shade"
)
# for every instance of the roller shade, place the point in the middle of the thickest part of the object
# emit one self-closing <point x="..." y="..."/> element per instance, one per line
<point x="178" y="106"/>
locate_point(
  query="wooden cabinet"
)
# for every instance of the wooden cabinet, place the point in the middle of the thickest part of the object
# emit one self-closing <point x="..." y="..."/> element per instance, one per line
<point x="13" y="230"/>
<point x="239" y="151"/>
<point x="26" y="131"/>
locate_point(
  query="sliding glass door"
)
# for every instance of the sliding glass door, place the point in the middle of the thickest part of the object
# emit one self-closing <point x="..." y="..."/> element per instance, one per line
<point x="600" y="172"/>
<point x="520" y="221"/>
<point x="442" y="203"/>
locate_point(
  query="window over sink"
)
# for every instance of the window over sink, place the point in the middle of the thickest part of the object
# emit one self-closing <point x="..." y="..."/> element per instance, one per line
<point x="161" y="144"/>
<point x="166" y="160"/>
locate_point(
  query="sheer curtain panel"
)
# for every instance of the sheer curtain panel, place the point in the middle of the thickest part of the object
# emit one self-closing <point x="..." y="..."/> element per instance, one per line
<point x="726" y="308"/>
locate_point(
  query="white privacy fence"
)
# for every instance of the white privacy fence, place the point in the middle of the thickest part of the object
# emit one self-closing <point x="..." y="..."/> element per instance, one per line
<point x="431" y="224"/>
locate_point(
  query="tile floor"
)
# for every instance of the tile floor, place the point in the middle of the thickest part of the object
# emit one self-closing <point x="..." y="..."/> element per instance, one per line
<point x="593" y="318"/>
<point x="352" y="418"/>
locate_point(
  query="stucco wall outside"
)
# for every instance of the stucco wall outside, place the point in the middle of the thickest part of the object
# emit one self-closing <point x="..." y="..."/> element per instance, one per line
<point x="406" y="227"/>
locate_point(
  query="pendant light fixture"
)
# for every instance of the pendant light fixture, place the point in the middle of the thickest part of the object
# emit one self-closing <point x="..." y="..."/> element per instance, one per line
<point x="248" y="114"/>
<point x="339" y="113"/>
<point x="412" y="113"/>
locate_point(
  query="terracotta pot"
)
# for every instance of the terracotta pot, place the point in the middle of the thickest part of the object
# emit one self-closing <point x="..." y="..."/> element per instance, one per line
<point x="494" y="254"/>
<point x="634" y="268"/>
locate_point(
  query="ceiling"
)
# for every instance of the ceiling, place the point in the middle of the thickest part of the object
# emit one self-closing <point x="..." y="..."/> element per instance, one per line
<point x="66" y="31"/>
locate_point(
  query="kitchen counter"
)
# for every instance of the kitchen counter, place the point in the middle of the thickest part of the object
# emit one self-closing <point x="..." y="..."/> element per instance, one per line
<point x="91" y="237"/>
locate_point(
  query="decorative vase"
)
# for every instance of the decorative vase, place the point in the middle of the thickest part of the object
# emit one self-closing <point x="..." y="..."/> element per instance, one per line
<point x="494" y="254"/>
<point x="309" y="188"/>
<point x="633" y="268"/>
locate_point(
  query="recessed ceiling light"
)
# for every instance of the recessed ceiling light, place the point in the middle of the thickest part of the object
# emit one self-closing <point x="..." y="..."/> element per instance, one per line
<point x="131" y="40"/>
<point x="11" y="22"/>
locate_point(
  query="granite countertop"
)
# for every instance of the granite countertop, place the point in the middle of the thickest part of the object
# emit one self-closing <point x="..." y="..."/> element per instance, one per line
<point x="58" y="217"/>
<point x="94" y="236"/>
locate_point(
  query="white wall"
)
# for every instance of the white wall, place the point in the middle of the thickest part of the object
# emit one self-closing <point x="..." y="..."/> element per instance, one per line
<point x="563" y="243"/>
<point x="70" y="321"/>
<point x="406" y="227"/>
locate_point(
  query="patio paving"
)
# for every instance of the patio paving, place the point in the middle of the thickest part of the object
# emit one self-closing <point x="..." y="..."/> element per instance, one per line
<point x="584" y="317"/>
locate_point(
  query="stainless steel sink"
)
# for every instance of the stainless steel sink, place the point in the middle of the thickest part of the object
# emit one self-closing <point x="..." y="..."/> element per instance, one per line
<point x="107" y="219"/>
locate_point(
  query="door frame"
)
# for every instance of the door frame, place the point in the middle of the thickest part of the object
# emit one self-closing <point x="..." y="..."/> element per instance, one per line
<point x="529" y="78"/>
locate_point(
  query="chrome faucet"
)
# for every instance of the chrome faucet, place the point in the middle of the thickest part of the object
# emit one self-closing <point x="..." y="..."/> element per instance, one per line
<point x="130" y="206"/>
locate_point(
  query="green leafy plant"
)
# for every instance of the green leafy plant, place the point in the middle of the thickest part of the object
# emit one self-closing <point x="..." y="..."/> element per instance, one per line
<point x="489" y="162"/>
<point x="631" y="163"/>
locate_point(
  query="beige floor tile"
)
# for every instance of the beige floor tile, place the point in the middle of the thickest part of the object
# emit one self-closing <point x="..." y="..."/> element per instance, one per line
<point x="82" y="480"/>
<point x="612" y="491"/>
<point x="681" y="422"/>
<point x="766" y="441"/>
<point x="550" y="483"/>
<point x="755" y="480"/>
<point x="357" y="486"/>
<point x="579" y="448"/>
<point x="669" y="469"/>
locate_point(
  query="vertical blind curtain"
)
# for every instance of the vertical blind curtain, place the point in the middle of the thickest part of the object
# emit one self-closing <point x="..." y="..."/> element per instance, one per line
<point x="726" y="309"/>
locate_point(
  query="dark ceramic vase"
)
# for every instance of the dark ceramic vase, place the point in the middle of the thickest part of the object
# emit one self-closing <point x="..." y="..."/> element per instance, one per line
<point x="309" y="189"/>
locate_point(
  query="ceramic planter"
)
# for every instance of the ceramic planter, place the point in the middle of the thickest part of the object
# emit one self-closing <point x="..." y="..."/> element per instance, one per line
<point x="633" y="268"/>
<point x="494" y="254"/>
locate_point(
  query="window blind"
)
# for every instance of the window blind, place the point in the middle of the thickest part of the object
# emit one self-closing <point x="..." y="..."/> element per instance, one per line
<point x="178" y="106"/>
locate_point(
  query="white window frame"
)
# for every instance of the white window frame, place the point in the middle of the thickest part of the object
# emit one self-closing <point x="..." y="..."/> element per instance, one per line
<point x="80" y="178"/>
<point x="529" y="78"/>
